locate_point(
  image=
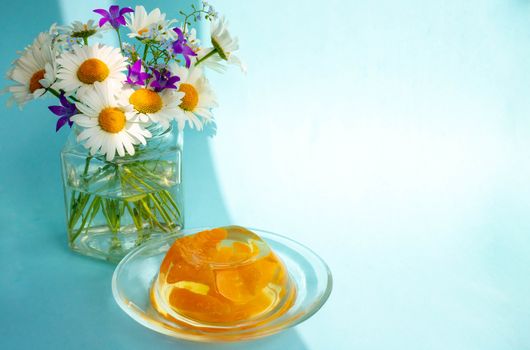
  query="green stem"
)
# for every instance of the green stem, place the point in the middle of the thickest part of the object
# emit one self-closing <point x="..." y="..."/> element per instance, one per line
<point x="186" y="19"/>
<point x="134" y="216"/>
<point x="170" y="199"/>
<point x="119" y="39"/>
<point x="146" y="50"/>
<point x="142" y="182"/>
<point x="161" y="210"/>
<point x="57" y="94"/>
<point x="162" y="193"/>
<point x="53" y="92"/>
<point x="111" y="211"/>
<point x="208" y="55"/>
<point x="94" y="207"/>
<point x="153" y="218"/>
<point x="144" y="204"/>
<point x="85" y="40"/>
<point x="87" y="165"/>
<point x="78" y="205"/>
<point x="100" y="173"/>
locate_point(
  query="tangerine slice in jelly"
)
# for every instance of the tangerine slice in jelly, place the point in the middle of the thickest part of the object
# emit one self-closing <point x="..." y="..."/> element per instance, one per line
<point x="203" y="307"/>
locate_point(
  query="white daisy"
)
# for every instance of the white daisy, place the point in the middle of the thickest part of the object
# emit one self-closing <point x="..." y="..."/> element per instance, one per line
<point x="223" y="43"/>
<point x="84" y="66"/>
<point x="192" y="40"/>
<point x="151" y="106"/>
<point x="109" y="126"/>
<point x="78" y="29"/>
<point x="149" y="26"/>
<point x="33" y="72"/>
<point x="198" y="99"/>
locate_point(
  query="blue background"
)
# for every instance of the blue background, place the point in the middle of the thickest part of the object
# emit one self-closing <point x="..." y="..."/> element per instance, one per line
<point x="392" y="137"/>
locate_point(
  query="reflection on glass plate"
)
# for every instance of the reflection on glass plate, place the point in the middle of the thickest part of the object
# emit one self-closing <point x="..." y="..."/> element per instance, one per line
<point x="134" y="276"/>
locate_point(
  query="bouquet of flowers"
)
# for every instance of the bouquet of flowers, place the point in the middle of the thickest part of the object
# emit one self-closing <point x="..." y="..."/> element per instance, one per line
<point x="122" y="102"/>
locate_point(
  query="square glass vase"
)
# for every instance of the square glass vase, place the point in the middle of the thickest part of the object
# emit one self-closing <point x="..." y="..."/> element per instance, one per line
<point x="115" y="206"/>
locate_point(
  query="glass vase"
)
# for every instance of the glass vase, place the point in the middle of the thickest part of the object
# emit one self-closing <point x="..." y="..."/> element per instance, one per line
<point x="115" y="206"/>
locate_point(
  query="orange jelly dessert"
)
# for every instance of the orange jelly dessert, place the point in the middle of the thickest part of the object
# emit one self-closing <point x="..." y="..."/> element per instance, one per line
<point x="223" y="276"/>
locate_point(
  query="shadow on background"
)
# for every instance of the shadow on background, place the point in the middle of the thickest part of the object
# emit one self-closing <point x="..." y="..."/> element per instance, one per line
<point x="74" y="305"/>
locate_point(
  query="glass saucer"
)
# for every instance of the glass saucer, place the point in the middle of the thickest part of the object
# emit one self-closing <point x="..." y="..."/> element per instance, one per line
<point x="134" y="276"/>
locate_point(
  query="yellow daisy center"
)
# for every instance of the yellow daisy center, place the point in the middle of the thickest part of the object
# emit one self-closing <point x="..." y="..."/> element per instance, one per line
<point x="191" y="97"/>
<point x="146" y="101"/>
<point x="92" y="70"/>
<point x="143" y="31"/>
<point x="34" y="81"/>
<point x="111" y="119"/>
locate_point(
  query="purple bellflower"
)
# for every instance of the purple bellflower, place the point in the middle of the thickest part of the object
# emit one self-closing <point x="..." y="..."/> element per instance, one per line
<point x="135" y="74"/>
<point x="180" y="47"/>
<point x="163" y="80"/>
<point x="114" y="16"/>
<point x="64" y="112"/>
